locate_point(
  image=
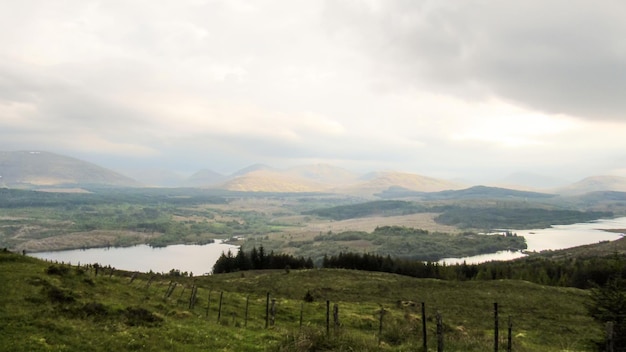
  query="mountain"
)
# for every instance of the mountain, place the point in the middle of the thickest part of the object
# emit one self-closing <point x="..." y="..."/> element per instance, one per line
<point x="251" y="168"/>
<point x="43" y="169"/>
<point x="323" y="173"/>
<point x="595" y="184"/>
<point x="204" y="178"/>
<point x="270" y="181"/>
<point x="484" y="192"/>
<point x="156" y="177"/>
<point x="529" y="181"/>
<point x="377" y="182"/>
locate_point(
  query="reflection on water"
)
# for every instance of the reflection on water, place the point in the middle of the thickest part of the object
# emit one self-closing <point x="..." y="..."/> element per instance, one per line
<point x="556" y="237"/>
<point x="197" y="259"/>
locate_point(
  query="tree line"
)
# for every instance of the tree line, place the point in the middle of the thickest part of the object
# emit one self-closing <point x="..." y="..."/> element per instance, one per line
<point x="258" y="259"/>
<point x="582" y="273"/>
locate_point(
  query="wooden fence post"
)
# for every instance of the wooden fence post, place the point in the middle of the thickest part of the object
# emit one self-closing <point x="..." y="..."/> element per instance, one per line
<point x="336" y="315"/>
<point x="245" y="323"/>
<point x="380" y="324"/>
<point x="170" y="290"/>
<point x="150" y="281"/>
<point x="495" y="327"/>
<point x="192" y="298"/>
<point x="425" y="344"/>
<point x="327" y="317"/>
<point x="273" y="312"/>
<point x="219" y="310"/>
<point x="267" y="311"/>
<point x="208" y="304"/>
<point x="439" y="333"/>
<point x="167" y="290"/>
<point x="301" y="311"/>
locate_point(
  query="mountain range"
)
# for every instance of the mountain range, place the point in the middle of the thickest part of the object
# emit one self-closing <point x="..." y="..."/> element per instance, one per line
<point x="40" y="170"/>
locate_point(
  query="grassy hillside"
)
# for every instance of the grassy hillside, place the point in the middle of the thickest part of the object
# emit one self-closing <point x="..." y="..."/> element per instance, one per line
<point x="54" y="307"/>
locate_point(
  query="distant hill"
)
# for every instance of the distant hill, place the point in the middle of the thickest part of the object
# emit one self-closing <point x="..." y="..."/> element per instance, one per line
<point x="324" y="173"/>
<point x="251" y="168"/>
<point x="327" y="178"/>
<point x="270" y="181"/>
<point x="204" y="178"/>
<point x="32" y="169"/>
<point x="156" y="177"/>
<point x="377" y="182"/>
<point x="595" y="184"/>
<point x="484" y="192"/>
<point x="529" y="181"/>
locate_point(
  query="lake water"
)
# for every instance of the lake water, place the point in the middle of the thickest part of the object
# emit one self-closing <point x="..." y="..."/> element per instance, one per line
<point x="556" y="237"/>
<point x="198" y="259"/>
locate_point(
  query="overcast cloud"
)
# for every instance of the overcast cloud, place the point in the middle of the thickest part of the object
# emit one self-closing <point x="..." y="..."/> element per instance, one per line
<point x="455" y="89"/>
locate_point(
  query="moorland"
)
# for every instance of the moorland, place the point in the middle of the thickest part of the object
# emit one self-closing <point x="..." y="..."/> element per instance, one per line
<point x="557" y="300"/>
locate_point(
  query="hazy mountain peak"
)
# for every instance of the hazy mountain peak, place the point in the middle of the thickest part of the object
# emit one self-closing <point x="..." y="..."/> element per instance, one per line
<point x="39" y="168"/>
<point x="596" y="183"/>
<point x="251" y="168"/>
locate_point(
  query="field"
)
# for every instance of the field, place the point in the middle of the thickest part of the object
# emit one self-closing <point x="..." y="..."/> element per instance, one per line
<point x="54" y="307"/>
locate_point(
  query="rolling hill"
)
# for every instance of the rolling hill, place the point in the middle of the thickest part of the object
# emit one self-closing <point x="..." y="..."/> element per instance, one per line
<point x="270" y="181"/>
<point x="377" y="182"/>
<point x="37" y="169"/>
<point x="595" y="184"/>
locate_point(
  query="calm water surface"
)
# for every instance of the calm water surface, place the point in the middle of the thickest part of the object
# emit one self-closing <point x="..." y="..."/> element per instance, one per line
<point x="556" y="237"/>
<point x="198" y="259"/>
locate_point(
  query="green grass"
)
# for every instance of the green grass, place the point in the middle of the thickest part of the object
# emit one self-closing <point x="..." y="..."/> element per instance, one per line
<point x="45" y="307"/>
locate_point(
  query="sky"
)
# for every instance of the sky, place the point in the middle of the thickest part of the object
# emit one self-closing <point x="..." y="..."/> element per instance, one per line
<point x="471" y="89"/>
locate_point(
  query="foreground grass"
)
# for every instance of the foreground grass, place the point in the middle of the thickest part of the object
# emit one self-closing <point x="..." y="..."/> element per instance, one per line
<point x="57" y="308"/>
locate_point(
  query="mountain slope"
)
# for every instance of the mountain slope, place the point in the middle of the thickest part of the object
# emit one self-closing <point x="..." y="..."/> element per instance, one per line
<point x="204" y="178"/>
<point x="378" y="182"/>
<point x="323" y="173"/>
<point x="271" y="181"/>
<point x="595" y="184"/>
<point x="37" y="169"/>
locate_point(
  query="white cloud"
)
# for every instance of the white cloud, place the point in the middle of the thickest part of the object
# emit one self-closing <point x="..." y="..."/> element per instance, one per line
<point x="437" y="87"/>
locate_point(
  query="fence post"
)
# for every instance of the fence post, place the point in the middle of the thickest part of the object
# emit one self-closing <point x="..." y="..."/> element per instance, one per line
<point x="336" y="316"/>
<point x="208" y="304"/>
<point x="273" y="312"/>
<point x="509" y="345"/>
<point x="167" y="290"/>
<point x="219" y="310"/>
<point x="245" y="323"/>
<point x="380" y="324"/>
<point x="425" y="344"/>
<point x="327" y="317"/>
<point x="301" y="311"/>
<point x="192" y="298"/>
<point x="267" y="311"/>
<point x="495" y="327"/>
<point x="439" y="333"/>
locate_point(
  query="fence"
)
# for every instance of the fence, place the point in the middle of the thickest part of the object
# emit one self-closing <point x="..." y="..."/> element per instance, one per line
<point x="267" y="312"/>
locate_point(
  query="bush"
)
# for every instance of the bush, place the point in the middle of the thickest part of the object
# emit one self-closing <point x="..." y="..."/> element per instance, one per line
<point x="60" y="270"/>
<point x="136" y="316"/>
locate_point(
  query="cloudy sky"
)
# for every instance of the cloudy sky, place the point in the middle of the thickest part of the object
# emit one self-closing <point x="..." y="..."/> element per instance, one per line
<point x="455" y="89"/>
